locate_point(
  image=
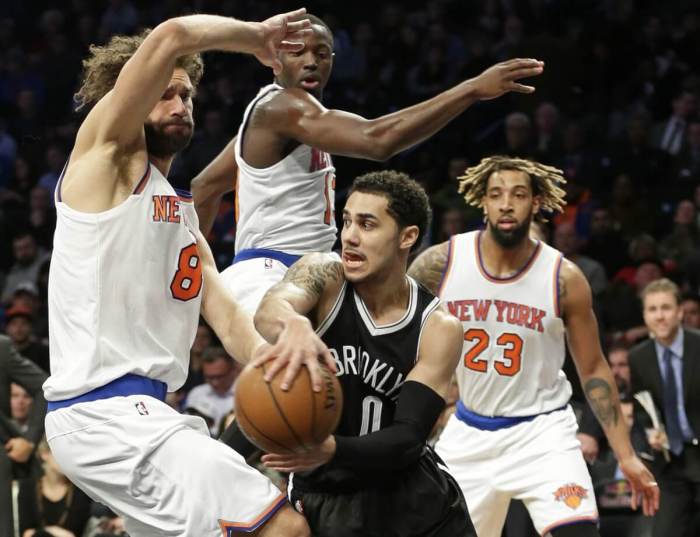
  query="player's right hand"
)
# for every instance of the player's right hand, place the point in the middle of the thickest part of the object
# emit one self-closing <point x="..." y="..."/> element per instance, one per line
<point x="502" y="78"/>
<point x="297" y="345"/>
<point x="282" y="33"/>
<point x="657" y="439"/>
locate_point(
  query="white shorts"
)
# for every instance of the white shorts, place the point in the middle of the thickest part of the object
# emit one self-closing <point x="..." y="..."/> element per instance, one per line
<point x="538" y="462"/>
<point x="159" y="470"/>
<point x="250" y="279"/>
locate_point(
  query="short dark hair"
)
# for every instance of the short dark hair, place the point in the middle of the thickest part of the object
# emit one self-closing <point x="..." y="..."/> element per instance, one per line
<point x="408" y="202"/>
<point x="213" y="354"/>
<point x="318" y="21"/>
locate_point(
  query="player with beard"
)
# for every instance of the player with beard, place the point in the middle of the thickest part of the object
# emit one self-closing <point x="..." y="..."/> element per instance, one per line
<point x="128" y="281"/>
<point x="280" y="161"/>
<point x="514" y="434"/>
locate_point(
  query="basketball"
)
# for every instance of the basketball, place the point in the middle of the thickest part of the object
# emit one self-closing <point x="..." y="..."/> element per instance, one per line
<point x="282" y="422"/>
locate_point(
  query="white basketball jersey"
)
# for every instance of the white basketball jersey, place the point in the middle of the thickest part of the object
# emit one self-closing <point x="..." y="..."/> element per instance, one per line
<point x="288" y="206"/>
<point x="124" y="290"/>
<point x="514" y="337"/>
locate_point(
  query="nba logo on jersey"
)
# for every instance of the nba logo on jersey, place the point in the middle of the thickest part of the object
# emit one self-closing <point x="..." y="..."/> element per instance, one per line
<point x="141" y="408"/>
<point x="268" y="263"/>
<point x="571" y="494"/>
<point x="299" y="506"/>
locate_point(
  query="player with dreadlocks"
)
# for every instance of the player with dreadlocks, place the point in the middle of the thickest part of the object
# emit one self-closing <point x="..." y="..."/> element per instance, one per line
<point x="514" y="434"/>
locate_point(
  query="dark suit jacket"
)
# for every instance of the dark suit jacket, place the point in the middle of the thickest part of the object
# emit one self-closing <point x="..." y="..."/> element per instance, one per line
<point x="646" y="375"/>
<point x="15" y="368"/>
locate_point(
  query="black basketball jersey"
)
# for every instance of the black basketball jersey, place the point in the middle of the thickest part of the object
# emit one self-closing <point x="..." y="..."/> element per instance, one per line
<point x="373" y="362"/>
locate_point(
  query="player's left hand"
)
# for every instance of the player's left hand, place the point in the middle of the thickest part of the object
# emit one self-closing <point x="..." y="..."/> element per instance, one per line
<point x="19" y="449"/>
<point x="645" y="490"/>
<point x="282" y="33"/>
<point x="304" y="461"/>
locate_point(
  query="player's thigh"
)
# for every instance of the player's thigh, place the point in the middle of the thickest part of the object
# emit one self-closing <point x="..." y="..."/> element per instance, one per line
<point x="249" y="280"/>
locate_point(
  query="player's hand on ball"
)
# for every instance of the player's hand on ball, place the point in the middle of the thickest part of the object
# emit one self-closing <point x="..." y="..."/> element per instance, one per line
<point x="645" y="490"/>
<point x="502" y="78"/>
<point x="304" y="461"/>
<point x="298" y="345"/>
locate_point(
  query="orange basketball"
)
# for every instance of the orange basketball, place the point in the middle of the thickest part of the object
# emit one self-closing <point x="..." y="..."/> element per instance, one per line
<point x="282" y="422"/>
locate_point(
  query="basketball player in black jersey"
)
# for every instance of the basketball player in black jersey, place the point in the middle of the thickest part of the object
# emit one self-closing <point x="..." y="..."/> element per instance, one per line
<point x="395" y="350"/>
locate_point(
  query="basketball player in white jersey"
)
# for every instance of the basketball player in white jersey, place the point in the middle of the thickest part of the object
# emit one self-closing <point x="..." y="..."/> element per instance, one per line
<point x="514" y="435"/>
<point x="127" y="284"/>
<point x="281" y="155"/>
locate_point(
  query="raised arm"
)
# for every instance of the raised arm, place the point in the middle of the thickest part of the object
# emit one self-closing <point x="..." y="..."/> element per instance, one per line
<point x="217" y="179"/>
<point x="420" y="403"/>
<point x="430" y="266"/>
<point x="297" y="115"/>
<point x="310" y="284"/>
<point x="598" y="382"/>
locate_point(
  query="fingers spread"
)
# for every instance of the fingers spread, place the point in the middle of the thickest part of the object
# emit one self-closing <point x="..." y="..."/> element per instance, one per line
<point x="522" y="88"/>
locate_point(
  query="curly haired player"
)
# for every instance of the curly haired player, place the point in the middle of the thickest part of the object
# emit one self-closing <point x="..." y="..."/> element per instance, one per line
<point x="514" y="434"/>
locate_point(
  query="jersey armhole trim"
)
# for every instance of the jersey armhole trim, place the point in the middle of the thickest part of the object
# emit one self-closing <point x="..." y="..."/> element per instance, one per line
<point x="427" y="312"/>
<point x="328" y="321"/>
<point x="448" y="267"/>
<point x="144" y="179"/>
<point x="556" y="294"/>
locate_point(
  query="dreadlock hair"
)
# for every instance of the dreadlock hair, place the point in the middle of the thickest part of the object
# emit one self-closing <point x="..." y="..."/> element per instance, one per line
<point x="407" y="201"/>
<point x="102" y="67"/>
<point x="545" y="181"/>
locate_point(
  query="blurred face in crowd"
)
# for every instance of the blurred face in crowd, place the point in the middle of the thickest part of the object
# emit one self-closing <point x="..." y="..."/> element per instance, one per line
<point x="219" y="374"/>
<point x="620" y="367"/>
<point x="517" y="130"/>
<point x="453" y="222"/>
<point x="600" y="222"/>
<point x="647" y="273"/>
<point x="662" y="315"/>
<point x="691" y="313"/>
<point x="566" y="239"/>
<point x="20" y="403"/>
<point x="685" y="213"/>
<point x="19" y="329"/>
<point x="310" y="67"/>
<point x="202" y="340"/>
<point x="510" y="206"/>
<point x="24" y="249"/>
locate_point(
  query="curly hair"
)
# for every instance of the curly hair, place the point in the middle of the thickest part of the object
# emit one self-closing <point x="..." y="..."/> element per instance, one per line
<point x="102" y="67"/>
<point x="545" y="181"/>
<point x="408" y="202"/>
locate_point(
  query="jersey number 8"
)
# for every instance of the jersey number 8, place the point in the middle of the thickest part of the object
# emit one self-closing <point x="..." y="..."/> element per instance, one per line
<point x="187" y="281"/>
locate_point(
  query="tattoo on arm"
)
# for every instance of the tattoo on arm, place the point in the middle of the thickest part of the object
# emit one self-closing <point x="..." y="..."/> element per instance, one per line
<point x="603" y="401"/>
<point x="430" y="266"/>
<point x="312" y="277"/>
<point x="562" y="287"/>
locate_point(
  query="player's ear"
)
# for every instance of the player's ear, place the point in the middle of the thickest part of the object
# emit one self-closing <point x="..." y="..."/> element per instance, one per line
<point x="536" y="204"/>
<point x="408" y="237"/>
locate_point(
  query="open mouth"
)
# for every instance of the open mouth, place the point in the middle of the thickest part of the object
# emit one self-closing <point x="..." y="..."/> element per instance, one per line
<point x="310" y="83"/>
<point x="352" y="259"/>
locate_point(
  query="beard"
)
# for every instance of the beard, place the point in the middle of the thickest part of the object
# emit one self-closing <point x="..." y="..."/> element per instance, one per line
<point x="511" y="238"/>
<point x="162" y="145"/>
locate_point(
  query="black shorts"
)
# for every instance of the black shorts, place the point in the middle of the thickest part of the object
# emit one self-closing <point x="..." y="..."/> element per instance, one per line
<point x="424" y="501"/>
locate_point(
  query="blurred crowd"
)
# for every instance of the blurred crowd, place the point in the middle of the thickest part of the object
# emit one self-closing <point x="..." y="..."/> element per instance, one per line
<point x="616" y="109"/>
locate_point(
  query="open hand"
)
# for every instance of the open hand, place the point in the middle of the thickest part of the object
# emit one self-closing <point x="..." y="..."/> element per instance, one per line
<point x="282" y="33"/>
<point x="304" y="461"/>
<point x="645" y="490"/>
<point x="502" y="78"/>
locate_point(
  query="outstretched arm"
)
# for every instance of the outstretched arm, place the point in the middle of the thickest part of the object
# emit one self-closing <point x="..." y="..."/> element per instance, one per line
<point x="282" y="317"/>
<point x="217" y="179"/>
<point x="420" y="403"/>
<point x="599" y="384"/>
<point x="430" y="266"/>
<point x="297" y="115"/>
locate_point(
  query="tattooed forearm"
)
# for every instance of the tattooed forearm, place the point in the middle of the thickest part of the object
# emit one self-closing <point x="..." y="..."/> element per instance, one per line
<point x="429" y="267"/>
<point x="312" y="277"/>
<point x="603" y="401"/>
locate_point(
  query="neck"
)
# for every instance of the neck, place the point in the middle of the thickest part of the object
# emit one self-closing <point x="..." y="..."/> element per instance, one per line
<point x="385" y="294"/>
<point x="500" y="261"/>
<point x="162" y="163"/>
<point x="53" y="479"/>
<point x="668" y="341"/>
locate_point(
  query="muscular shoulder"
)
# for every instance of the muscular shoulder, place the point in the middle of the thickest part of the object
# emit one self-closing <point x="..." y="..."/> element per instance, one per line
<point x="441" y="343"/>
<point x="285" y="106"/>
<point x="574" y="290"/>
<point x="445" y="325"/>
<point x="316" y="272"/>
<point x="429" y="267"/>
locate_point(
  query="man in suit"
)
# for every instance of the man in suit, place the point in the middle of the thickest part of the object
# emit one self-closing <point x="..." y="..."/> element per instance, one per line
<point x="668" y="366"/>
<point x="18" y="447"/>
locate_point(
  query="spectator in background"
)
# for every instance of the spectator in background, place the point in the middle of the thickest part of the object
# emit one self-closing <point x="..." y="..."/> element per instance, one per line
<point x="667" y="367"/>
<point x="220" y="372"/>
<point x="548" y="143"/>
<point x="690" y="304"/>
<point x="55" y="161"/>
<point x="42" y="216"/>
<point x="18" y="447"/>
<point x="670" y="134"/>
<point x="51" y="505"/>
<point x="518" y="136"/>
<point x="604" y="243"/>
<point x="680" y="243"/>
<point x="19" y="319"/>
<point x="568" y="243"/>
<point x="20" y="407"/>
<point x="687" y="162"/>
<point x="28" y="258"/>
<point x="628" y="210"/>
